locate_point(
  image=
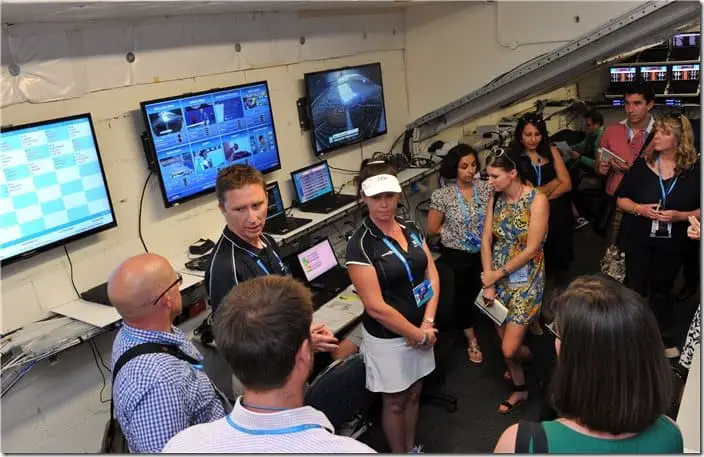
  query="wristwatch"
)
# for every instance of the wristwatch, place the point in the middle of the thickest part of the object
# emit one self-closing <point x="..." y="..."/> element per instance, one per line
<point x="429" y="321"/>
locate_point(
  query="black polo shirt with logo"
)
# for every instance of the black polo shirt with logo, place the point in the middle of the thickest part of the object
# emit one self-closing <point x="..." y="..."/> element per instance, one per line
<point x="234" y="260"/>
<point x="367" y="247"/>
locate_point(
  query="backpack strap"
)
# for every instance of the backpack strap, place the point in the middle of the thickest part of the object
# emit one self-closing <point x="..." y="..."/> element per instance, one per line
<point x="531" y="432"/>
<point x="147" y="348"/>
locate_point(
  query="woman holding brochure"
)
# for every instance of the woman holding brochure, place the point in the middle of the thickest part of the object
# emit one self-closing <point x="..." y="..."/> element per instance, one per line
<point x="392" y="269"/>
<point x="513" y="262"/>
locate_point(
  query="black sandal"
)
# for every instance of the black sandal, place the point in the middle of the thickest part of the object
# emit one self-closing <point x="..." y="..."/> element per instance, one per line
<point x="511" y="406"/>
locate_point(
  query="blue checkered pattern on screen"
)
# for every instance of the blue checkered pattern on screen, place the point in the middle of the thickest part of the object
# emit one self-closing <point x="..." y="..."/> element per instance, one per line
<point x="158" y="395"/>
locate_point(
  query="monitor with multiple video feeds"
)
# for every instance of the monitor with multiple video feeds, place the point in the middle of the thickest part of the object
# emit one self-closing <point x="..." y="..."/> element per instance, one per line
<point x="196" y="135"/>
<point x="622" y="75"/>
<point x="346" y="106"/>
<point x="52" y="187"/>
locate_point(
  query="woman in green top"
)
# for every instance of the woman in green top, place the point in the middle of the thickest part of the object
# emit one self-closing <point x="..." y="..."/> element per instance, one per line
<point x="612" y="382"/>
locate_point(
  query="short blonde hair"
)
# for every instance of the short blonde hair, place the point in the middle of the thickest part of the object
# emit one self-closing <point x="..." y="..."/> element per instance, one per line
<point x="236" y="177"/>
<point x="680" y="127"/>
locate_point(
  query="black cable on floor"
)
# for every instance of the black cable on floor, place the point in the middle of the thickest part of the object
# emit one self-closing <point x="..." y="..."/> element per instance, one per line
<point x="70" y="266"/>
<point x="94" y="350"/>
<point x="139" y="217"/>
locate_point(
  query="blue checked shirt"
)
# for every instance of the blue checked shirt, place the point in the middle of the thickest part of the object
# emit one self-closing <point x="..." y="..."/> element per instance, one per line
<point x="157" y="395"/>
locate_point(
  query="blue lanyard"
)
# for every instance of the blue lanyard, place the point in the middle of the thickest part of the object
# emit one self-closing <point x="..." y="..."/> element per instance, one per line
<point x="538" y="172"/>
<point x="472" y="241"/>
<point x="271" y="431"/>
<point x="261" y="264"/>
<point x="662" y="184"/>
<point x="403" y="260"/>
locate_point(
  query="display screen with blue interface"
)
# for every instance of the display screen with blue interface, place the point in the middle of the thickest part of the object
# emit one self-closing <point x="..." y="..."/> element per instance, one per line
<point x="52" y="186"/>
<point x="276" y="206"/>
<point x="346" y="106"/>
<point x="196" y="135"/>
<point x="312" y="182"/>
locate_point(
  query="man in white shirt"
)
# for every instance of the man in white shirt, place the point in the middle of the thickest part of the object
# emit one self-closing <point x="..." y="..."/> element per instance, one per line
<point x="262" y="329"/>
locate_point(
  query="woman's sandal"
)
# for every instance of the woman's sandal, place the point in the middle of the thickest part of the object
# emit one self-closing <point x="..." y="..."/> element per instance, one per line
<point x="474" y="353"/>
<point x="511" y="406"/>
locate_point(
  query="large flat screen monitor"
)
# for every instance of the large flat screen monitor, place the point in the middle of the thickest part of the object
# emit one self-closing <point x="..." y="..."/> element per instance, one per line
<point x="195" y="135"/>
<point x="52" y="187"/>
<point x="622" y="75"/>
<point x="346" y="106"/>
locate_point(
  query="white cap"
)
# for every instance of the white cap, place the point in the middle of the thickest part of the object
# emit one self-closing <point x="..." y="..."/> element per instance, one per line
<point x="379" y="184"/>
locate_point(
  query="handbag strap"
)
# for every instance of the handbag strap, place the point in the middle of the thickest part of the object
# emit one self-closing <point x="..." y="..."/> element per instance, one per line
<point x="146" y="348"/>
<point x="531" y="432"/>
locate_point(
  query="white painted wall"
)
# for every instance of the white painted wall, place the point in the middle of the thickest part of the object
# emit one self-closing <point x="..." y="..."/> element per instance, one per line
<point x="84" y="65"/>
<point x="74" y="68"/>
<point x="452" y="50"/>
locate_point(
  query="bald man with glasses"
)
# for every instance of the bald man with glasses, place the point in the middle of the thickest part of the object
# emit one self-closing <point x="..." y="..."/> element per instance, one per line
<point x="156" y="395"/>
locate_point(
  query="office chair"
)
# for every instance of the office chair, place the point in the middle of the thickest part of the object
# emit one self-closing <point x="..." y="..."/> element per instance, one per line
<point x="340" y="392"/>
<point x="432" y="387"/>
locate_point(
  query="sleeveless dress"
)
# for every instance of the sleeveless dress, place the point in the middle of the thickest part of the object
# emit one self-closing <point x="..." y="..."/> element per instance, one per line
<point x="559" y="251"/>
<point x="522" y="291"/>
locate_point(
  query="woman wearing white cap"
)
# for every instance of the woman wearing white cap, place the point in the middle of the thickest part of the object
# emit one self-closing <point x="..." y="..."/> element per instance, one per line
<point x="392" y="269"/>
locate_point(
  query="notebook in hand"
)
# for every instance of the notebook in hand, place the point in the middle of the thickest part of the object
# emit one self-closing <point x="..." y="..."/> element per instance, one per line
<point x="495" y="310"/>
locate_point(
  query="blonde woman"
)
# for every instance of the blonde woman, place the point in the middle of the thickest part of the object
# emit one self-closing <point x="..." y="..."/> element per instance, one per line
<point x="658" y="195"/>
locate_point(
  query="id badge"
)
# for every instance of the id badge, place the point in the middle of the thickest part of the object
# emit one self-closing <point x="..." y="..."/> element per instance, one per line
<point x="660" y="229"/>
<point x="519" y="276"/>
<point x="423" y="292"/>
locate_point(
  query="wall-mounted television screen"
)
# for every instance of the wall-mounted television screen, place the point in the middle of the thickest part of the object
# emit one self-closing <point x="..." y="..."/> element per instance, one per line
<point x="52" y="186"/>
<point x="346" y="106"/>
<point x="622" y="75"/>
<point x="195" y="135"/>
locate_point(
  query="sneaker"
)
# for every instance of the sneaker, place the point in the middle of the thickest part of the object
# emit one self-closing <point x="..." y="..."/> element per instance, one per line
<point x="417" y="449"/>
<point x="579" y="223"/>
<point x="672" y="353"/>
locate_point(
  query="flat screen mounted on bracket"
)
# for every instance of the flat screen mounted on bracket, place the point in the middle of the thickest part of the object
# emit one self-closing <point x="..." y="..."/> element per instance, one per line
<point x="195" y="135"/>
<point x="52" y="187"/>
<point x="346" y="106"/>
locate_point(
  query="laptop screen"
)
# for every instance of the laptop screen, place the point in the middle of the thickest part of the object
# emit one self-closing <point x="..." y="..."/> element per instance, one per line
<point x="317" y="260"/>
<point x="312" y="182"/>
<point x="273" y="194"/>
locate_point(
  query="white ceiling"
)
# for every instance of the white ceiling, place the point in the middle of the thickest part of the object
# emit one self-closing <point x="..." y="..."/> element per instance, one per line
<point x="13" y="12"/>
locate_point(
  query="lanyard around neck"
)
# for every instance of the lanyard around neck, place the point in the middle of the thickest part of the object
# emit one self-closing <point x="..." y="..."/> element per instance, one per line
<point x="538" y="172"/>
<point x="260" y="263"/>
<point x="664" y="193"/>
<point x="403" y="260"/>
<point x="271" y="431"/>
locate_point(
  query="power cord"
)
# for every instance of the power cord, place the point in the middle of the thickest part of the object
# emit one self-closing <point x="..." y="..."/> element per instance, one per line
<point x="70" y="266"/>
<point x="139" y="217"/>
<point x="96" y="353"/>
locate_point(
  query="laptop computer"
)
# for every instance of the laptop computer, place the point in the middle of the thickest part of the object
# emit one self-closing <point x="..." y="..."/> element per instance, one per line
<point x="314" y="189"/>
<point x="277" y="223"/>
<point x="685" y="79"/>
<point x="318" y="267"/>
<point x="619" y="78"/>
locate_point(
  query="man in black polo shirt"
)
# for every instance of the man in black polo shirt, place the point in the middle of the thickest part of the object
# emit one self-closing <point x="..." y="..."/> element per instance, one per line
<point x="244" y="251"/>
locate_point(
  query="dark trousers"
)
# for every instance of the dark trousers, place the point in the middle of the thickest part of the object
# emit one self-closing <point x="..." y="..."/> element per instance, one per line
<point x="467" y="269"/>
<point x="652" y="272"/>
<point x="691" y="264"/>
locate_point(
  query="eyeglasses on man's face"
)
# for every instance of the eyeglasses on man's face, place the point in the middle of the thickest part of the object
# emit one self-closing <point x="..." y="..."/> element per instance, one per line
<point x="179" y="280"/>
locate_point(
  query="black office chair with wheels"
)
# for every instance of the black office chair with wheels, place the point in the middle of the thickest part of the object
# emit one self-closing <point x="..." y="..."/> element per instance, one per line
<point x="432" y="386"/>
<point x="340" y="392"/>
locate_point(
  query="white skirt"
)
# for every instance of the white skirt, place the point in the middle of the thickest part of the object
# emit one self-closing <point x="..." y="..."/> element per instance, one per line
<point x="391" y="365"/>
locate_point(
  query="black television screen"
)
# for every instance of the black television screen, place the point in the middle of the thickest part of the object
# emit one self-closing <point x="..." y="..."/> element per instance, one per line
<point x="52" y="187"/>
<point x="195" y="135"/>
<point x="622" y="75"/>
<point x="346" y="106"/>
<point x="686" y="40"/>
